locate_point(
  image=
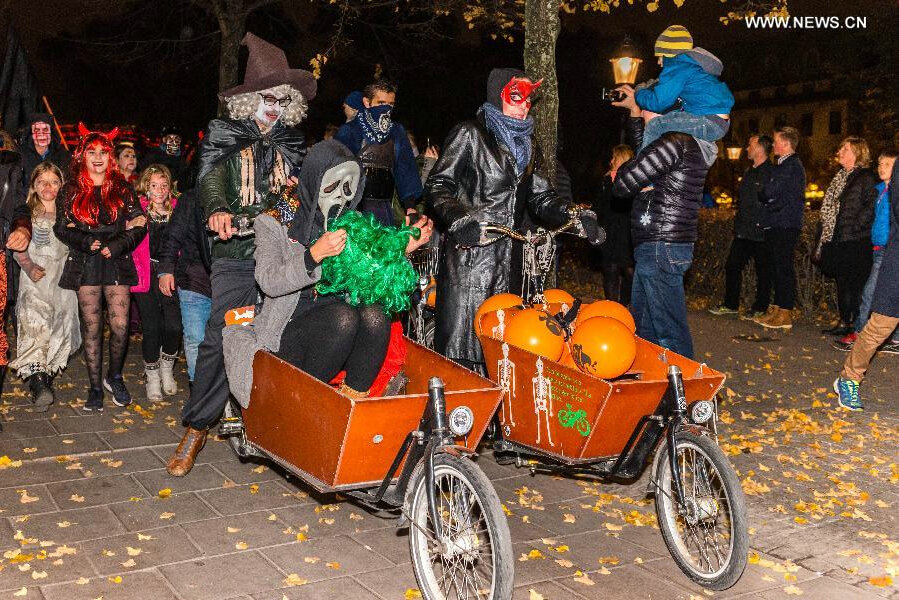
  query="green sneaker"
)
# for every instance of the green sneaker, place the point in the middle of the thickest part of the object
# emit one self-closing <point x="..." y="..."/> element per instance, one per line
<point x="847" y="390"/>
<point x="723" y="310"/>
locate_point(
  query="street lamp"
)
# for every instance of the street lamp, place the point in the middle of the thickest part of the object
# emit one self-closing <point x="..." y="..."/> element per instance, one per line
<point x="625" y="63"/>
<point x="733" y="155"/>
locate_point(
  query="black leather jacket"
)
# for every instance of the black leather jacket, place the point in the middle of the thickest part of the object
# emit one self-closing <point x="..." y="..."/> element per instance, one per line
<point x="475" y="176"/>
<point x="676" y="168"/>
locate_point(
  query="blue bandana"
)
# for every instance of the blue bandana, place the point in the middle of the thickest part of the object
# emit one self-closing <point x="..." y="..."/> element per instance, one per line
<point x="514" y="134"/>
<point x="376" y="123"/>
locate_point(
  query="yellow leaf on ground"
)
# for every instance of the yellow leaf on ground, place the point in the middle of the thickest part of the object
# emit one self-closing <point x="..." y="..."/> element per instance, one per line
<point x="884" y="581"/>
<point x="76" y="498"/>
<point x="793" y="590"/>
<point x="142" y="537"/>
<point x="533" y="594"/>
<point x="241" y="545"/>
<point x="567" y="564"/>
<point x="311" y="559"/>
<point x="604" y="571"/>
<point x="302" y="537"/>
<point x="259" y="469"/>
<point x="568" y="518"/>
<point x="129" y="563"/>
<point x="167" y="515"/>
<point x="412" y="593"/>
<point x="82" y="581"/>
<point x="38" y="574"/>
<point x="612" y="527"/>
<point x="233" y="529"/>
<point x="294" y="579"/>
<point x="583" y="578"/>
<point x="24" y="590"/>
<point x="64" y="524"/>
<point x="254" y="489"/>
<point x="24" y="498"/>
<point x="116" y="579"/>
<point x="165" y="492"/>
<point x="333" y="565"/>
<point x="132" y="551"/>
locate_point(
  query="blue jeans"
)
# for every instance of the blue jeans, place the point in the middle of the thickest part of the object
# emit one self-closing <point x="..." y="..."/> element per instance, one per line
<point x="657" y="297"/>
<point x="864" y="311"/>
<point x="195" y="310"/>
<point x="703" y="127"/>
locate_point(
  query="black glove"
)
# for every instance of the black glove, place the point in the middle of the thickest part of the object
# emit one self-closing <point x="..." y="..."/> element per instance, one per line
<point x="467" y="232"/>
<point x="588" y="227"/>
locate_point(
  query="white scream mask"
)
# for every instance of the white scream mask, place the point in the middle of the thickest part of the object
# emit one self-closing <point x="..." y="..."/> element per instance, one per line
<point x="338" y="188"/>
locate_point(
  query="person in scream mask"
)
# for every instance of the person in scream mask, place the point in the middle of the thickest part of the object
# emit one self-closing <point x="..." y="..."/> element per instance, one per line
<point x="41" y="142"/>
<point x="244" y="163"/>
<point x="486" y="174"/>
<point x="386" y="154"/>
<point x="321" y="334"/>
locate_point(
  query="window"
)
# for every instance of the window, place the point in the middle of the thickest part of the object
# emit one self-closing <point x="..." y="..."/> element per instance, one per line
<point x="836" y="122"/>
<point x="805" y="124"/>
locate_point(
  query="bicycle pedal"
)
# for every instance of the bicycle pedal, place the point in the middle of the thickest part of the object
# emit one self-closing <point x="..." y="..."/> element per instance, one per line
<point x="231" y="426"/>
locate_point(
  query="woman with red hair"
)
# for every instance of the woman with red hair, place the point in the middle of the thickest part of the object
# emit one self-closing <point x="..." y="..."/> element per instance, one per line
<point x="99" y="218"/>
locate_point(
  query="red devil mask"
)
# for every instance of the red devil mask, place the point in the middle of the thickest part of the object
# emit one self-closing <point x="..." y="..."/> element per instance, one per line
<point x="519" y="91"/>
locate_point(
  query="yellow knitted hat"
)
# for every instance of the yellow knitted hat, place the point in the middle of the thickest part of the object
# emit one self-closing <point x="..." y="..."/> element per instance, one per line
<point x="674" y="40"/>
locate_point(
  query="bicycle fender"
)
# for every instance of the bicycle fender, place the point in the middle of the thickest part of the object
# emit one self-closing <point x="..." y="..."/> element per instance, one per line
<point x="683" y="426"/>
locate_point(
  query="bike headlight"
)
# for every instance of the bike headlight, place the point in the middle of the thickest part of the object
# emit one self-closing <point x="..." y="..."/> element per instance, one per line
<point x="461" y="420"/>
<point x="701" y="411"/>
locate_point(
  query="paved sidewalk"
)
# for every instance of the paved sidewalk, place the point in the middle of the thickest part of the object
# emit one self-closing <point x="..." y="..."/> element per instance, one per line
<point x="87" y="510"/>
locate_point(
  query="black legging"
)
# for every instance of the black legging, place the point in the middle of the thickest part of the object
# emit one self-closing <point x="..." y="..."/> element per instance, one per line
<point x="327" y="339"/>
<point x="160" y="318"/>
<point x="617" y="281"/>
<point x="90" y="304"/>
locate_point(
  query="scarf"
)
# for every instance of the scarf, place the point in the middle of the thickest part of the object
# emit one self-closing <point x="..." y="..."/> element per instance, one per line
<point x="376" y="123"/>
<point x="830" y="208"/>
<point x="285" y="207"/>
<point x="263" y="157"/>
<point x="514" y="134"/>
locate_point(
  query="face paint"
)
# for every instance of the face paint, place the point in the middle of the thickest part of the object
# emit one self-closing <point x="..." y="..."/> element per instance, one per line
<point x="40" y="133"/>
<point x="270" y="107"/>
<point x="338" y="188"/>
<point x="519" y="90"/>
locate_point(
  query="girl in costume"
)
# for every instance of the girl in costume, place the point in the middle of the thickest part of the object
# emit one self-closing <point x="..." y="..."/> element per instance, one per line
<point x="100" y="220"/>
<point x="47" y="315"/>
<point x="160" y="315"/>
<point x="320" y="313"/>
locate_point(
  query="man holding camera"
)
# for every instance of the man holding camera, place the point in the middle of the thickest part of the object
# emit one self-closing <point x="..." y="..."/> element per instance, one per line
<point x="666" y="179"/>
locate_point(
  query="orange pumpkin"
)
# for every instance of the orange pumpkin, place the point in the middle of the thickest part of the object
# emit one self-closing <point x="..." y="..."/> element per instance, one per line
<point x="607" y="308"/>
<point x="430" y="293"/>
<point x="535" y="330"/>
<point x="494" y="303"/>
<point x="604" y="347"/>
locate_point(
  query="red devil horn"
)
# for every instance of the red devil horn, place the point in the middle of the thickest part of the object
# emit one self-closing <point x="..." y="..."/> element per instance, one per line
<point x="82" y="129"/>
<point x="112" y="135"/>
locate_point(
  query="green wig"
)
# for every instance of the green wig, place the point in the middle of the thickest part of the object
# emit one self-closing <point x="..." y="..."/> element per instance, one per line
<point x="373" y="268"/>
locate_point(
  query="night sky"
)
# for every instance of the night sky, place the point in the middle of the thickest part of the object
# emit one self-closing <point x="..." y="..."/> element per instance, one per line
<point x="73" y="51"/>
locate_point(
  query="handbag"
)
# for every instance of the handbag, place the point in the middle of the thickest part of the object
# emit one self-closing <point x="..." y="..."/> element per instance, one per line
<point x="829" y="263"/>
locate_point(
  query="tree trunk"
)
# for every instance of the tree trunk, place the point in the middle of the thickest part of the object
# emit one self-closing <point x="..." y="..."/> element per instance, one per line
<point x="233" y="27"/>
<point x="541" y="31"/>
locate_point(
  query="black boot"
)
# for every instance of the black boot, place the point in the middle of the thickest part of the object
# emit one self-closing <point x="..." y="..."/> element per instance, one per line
<point x="41" y="392"/>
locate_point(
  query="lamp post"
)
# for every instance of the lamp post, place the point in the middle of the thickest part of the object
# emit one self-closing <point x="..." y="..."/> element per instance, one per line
<point x="625" y="64"/>
<point x="733" y="155"/>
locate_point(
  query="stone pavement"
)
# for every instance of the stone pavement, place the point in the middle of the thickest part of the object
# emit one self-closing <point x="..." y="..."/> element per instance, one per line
<point x="89" y="512"/>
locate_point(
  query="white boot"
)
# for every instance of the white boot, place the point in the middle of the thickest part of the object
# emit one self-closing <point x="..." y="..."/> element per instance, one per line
<point x="154" y="385"/>
<point x="166" y="366"/>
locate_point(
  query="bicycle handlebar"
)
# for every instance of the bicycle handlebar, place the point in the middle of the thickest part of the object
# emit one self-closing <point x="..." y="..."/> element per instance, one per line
<point x="535" y="238"/>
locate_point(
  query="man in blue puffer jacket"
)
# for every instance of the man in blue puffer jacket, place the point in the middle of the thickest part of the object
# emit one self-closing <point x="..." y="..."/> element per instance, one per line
<point x="689" y="75"/>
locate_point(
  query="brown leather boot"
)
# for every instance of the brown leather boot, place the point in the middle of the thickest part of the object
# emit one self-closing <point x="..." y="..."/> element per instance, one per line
<point x="182" y="461"/>
<point x="350" y="392"/>
<point x="772" y="310"/>
<point x="782" y="318"/>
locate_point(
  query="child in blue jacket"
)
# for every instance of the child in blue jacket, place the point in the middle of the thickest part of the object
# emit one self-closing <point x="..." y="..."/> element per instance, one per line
<point x="690" y="75"/>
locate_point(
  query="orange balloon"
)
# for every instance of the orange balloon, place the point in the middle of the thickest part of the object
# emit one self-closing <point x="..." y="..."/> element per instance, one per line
<point x="557" y="296"/>
<point x="553" y="308"/>
<point x="535" y="330"/>
<point x="566" y="358"/>
<point x="493" y="303"/>
<point x="607" y="308"/>
<point x="604" y="347"/>
<point x="490" y="322"/>
<point x="430" y="293"/>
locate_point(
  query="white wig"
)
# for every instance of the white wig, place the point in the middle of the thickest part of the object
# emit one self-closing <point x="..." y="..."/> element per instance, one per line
<point x="243" y="106"/>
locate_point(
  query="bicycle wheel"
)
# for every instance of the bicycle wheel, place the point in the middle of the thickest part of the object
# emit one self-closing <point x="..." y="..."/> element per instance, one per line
<point x="473" y="559"/>
<point x="706" y="531"/>
<point x="238" y="441"/>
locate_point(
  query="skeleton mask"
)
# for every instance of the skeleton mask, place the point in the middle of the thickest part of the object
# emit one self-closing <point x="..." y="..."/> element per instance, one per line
<point x="40" y="132"/>
<point x="338" y="188"/>
<point x="172" y="144"/>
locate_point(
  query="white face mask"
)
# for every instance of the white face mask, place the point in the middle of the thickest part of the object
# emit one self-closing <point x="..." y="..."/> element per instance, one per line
<point x="265" y="114"/>
<point x="338" y="188"/>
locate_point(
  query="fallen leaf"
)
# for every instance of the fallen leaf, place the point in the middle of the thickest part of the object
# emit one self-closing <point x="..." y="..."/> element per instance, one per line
<point x="167" y="515"/>
<point x="129" y="563"/>
<point x="311" y="559"/>
<point x="294" y="579"/>
<point x="24" y="498"/>
<point x="612" y="527"/>
<point x="302" y="537"/>
<point x="76" y="498"/>
<point x="241" y="545"/>
<point x="568" y="518"/>
<point x="884" y="581"/>
<point x="583" y="578"/>
<point x="82" y="581"/>
<point x="333" y="565"/>
<point x="566" y="564"/>
<point x="233" y="529"/>
<point x="24" y="590"/>
<point x="164" y="493"/>
<point x="259" y="469"/>
<point x="254" y="489"/>
<point x="793" y="590"/>
<point x="64" y="524"/>
<point x="534" y="594"/>
<point x="116" y="579"/>
<point x="142" y="537"/>
<point x="38" y="574"/>
<point x="133" y="551"/>
<point x="412" y="594"/>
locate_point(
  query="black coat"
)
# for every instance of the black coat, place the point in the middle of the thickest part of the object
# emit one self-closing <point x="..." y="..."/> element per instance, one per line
<point x="886" y="294"/>
<point x="185" y="249"/>
<point x="475" y="175"/>
<point x="676" y="168"/>
<point x="56" y="153"/>
<point x="614" y="214"/>
<point x="784" y="195"/>
<point x="750" y="208"/>
<point x="83" y="263"/>
<point x="857" y="203"/>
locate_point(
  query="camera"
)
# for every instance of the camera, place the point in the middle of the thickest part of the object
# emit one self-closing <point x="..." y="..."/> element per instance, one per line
<point x="612" y="95"/>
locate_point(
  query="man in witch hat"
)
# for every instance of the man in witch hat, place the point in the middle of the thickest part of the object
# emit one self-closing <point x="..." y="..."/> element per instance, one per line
<point x="244" y="163"/>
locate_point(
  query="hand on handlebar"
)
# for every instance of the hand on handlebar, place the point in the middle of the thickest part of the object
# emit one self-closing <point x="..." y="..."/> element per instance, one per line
<point x="468" y="232"/>
<point x="220" y="224"/>
<point x="588" y="228"/>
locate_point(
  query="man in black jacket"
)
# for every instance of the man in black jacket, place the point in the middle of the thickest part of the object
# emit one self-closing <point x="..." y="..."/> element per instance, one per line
<point x="667" y="177"/>
<point x="486" y="175"/>
<point x="749" y="236"/>
<point x="41" y="143"/>
<point x="784" y="198"/>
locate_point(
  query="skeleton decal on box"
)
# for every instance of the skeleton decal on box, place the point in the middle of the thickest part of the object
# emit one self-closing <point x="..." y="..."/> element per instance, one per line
<point x="506" y="370"/>
<point x="499" y="331"/>
<point x="543" y="400"/>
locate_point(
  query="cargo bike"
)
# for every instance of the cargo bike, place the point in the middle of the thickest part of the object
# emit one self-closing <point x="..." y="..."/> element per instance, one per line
<point x="406" y="453"/>
<point x="660" y="414"/>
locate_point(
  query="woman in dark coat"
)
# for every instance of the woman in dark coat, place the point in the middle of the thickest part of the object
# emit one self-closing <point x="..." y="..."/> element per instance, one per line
<point x="100" y="220"/>
<point x="844" y="248"/>
<point x="614" y="214"/>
